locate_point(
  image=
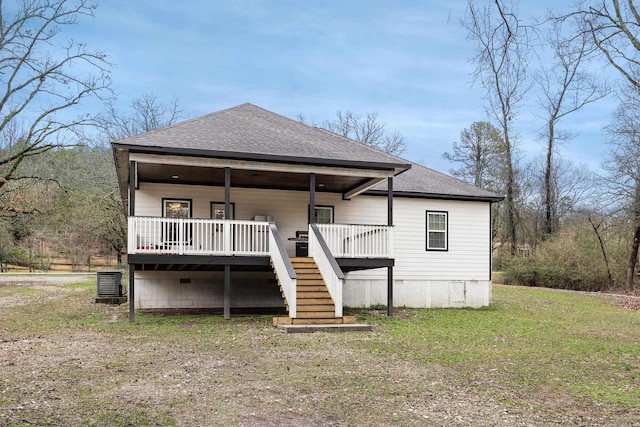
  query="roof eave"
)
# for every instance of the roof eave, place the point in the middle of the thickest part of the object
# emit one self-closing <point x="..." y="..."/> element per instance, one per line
<point x="437" y="196"/>
<point x="397" y="167"/>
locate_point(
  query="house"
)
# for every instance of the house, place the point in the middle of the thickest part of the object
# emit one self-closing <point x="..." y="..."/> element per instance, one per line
<point x="246" y="209"/>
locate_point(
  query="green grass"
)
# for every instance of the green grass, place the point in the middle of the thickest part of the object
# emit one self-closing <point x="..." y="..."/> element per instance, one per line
<point x="531" y="346"/>
<point x="532" y="338"/>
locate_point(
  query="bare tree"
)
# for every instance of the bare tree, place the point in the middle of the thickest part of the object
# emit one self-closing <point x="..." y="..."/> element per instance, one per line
<point x="571" y="185"/>
<point x="367" y="130"/>
<point x="613" y="27"/>
<point x="564" y="88"/>
<point x="43" y="77"/>
<point x="501" y="67"/>
<point x="146" y="114"/>
<point x="478" y="153"/>
<point x="623" y="167"/>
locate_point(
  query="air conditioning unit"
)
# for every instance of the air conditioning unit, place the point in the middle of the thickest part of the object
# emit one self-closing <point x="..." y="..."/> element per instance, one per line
<point x="109" y="284"/>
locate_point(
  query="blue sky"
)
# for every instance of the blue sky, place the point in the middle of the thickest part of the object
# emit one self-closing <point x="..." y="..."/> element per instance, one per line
<point x="407" y="60"/>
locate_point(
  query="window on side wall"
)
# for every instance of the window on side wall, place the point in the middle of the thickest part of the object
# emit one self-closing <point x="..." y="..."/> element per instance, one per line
<point x="324" y="214"/>
<point x="437" y="231"/>
<point x="217" y="210"/>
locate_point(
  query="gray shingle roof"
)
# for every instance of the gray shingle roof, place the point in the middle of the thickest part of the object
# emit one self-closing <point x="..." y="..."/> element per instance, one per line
<point x="429" y="183"/>
<point x="253" y="130"/>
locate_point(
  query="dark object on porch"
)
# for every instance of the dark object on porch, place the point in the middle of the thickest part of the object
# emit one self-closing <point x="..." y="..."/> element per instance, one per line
<point x="109" y="287"/>
<point x="302" y="243"/>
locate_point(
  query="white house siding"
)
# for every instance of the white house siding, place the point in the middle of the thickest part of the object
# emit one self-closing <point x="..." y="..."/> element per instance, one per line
<point x="454" y="278"/>
<point x="459" y="277"/>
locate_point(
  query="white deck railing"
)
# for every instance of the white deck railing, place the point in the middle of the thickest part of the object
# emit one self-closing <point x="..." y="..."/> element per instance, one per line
<point x="283" y="269"/>
<point x="188" y="236"/>
<point x="358" y="241"/>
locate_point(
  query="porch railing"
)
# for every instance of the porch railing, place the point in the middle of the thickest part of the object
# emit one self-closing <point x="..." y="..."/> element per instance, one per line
<point x="285" y="273"/>
<point x="358" y="241"/>
<point x="190" y="236"/>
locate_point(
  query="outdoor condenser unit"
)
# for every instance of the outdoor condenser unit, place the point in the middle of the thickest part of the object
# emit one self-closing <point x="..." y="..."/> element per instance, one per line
<point x="109" y="284"/>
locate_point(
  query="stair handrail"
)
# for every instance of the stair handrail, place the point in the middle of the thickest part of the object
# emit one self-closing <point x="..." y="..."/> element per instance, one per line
<point x="328" y="266"/>
<point x="283" y="268"/>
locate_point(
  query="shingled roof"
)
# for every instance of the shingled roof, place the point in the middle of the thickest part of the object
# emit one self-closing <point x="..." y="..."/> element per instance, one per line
<point x="248" y="131"/>
<point x="420" y="181"/>
<point x="251" y="130"/>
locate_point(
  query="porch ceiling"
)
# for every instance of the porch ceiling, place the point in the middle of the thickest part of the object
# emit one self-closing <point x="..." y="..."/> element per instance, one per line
<point x="195" y="175"/>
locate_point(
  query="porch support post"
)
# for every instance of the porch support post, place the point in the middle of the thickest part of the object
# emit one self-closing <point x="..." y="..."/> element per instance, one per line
<point x="132" y="188"/>
<point x="227" y="193"/>
<point x="312" y="198"/>
<point x="132" y="305"/>
<point x="132" y="212"/>
<point x="390" y="268"/>
<point x="227" y="291"/>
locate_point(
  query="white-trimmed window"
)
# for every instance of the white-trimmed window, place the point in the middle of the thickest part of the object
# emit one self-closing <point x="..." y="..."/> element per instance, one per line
<point x="218" y="210"/>
<point x="176" y="209"/>
<point x="324" y="214"/>
<point x="437" y="231"/>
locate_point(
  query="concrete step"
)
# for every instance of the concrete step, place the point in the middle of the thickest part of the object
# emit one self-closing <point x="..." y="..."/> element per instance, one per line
<point x="326" y="327"/>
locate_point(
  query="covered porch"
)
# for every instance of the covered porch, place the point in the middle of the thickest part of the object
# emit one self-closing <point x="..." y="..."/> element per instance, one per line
<point x="243" y="234"/>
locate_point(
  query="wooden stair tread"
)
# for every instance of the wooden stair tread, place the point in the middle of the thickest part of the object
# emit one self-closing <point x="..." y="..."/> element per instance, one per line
<point x="312" y="301"/>
<point x="303" y="295"/>
<point x="316" y="307"/>
<point x="314" y="315"/>
<point x="312" y="288"/>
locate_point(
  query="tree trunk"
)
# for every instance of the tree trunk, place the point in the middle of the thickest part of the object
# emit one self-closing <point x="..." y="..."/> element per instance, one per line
<point x="511" y="207"/>
<point x="633" y="259"/>
<point x="604" y="252"/>
<point x="547" y="228"/>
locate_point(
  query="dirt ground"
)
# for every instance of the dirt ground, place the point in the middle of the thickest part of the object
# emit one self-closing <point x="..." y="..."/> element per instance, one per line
<point x="88" y="366"/>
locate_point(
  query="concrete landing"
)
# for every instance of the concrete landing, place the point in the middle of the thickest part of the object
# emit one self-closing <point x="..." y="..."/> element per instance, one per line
<point x="351" y="327"/>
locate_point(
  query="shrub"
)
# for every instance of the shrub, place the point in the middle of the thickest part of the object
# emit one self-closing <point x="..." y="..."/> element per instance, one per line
<point x="570" y="260"/>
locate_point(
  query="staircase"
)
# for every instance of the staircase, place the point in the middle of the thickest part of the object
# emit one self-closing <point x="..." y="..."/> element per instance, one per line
<point x="314" y="305"/>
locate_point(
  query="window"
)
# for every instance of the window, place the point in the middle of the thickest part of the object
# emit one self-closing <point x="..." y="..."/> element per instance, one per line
<point x="324" y="214"/>
<point x="171" y="233"/>
<point x="176" y="208"/>
<point x="437" y="231"/>
<point x="217" y="210"/>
